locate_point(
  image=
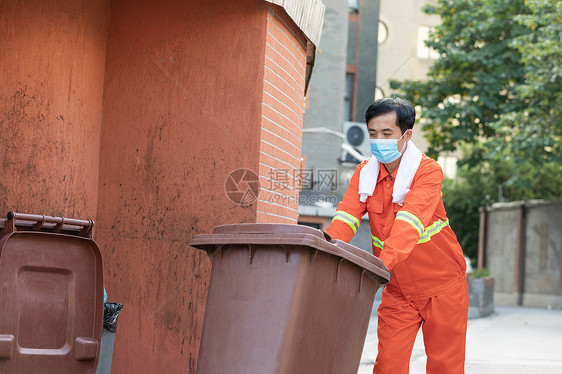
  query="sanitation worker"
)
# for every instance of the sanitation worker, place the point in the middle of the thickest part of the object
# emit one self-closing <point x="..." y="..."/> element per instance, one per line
<point x="400" y="190"/>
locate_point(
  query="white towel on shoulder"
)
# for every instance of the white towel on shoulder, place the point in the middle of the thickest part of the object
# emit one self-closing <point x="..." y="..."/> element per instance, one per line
<point x="408" y="166"/>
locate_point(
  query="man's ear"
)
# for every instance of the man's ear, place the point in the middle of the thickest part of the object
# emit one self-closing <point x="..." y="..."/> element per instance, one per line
<point x="408" y="135"/>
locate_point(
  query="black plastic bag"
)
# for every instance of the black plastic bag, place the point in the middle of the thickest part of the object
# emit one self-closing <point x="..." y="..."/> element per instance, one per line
<point x="110" y="313"/>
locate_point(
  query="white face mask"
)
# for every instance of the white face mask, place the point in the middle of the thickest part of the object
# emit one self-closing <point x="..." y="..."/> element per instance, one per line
<point x="386" y="150"/>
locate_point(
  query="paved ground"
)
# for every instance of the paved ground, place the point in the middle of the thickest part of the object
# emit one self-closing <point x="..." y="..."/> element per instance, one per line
<point x="513" y="340"/>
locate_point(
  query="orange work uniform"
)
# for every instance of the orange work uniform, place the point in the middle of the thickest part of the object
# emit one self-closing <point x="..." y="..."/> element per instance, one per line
<point x="428" y="284"/>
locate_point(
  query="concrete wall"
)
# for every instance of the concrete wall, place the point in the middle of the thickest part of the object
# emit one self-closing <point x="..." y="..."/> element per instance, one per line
<point x="327" y="89"/>
<point x="181" y="112"/>
<point x="397" y="56"/>
<point x="348" y="44"/>
<point x="367" y="61"/>
<point x="536" y="252"/>
<point x="542" y="261"/>
<point x="543" y="265"/>
<point x="501" y="248"/>
<point x="52" y="60"/>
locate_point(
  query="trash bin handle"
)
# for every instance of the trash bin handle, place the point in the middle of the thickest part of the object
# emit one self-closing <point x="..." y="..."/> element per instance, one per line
<point x="39" y="219"/>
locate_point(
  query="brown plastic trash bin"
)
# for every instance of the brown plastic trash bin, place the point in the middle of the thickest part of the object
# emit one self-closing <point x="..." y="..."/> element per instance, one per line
<point x="51" y="305"/>
<point x="285" y="299"/>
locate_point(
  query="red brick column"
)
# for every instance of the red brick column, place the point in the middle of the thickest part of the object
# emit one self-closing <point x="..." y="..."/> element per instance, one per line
<point x="282" y="115"/>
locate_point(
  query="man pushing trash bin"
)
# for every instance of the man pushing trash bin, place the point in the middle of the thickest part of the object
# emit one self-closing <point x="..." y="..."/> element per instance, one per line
<point x="400" y="189"/>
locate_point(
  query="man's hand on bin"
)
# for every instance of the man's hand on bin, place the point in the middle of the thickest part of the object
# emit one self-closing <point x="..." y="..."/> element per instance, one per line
<point x="327" y="236"/>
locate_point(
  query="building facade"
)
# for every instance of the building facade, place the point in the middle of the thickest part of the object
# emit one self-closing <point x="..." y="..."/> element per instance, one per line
<point x="404" y="28"/>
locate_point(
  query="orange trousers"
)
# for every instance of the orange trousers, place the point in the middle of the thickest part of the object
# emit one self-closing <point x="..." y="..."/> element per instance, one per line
<point x="443" y="320"/>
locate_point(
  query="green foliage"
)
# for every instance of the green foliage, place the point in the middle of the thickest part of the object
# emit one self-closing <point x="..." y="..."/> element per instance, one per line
<point x="498" y="78"/>
<point x="535" y="132"/>
<point x="462" y="203"/>
<point x="481" y="183"/>
<point x="495" y="91"/>
<point x="475" y="79"/>
<point x="480" y="273"/>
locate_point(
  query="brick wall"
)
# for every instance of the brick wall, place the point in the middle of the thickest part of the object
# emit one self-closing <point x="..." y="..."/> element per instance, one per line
<point x="282" y="113"/>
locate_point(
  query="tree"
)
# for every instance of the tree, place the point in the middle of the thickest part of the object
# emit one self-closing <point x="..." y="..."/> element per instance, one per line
<point x="534" y="133"/>
<point x="475" y="79"/>
<point x="497" y="83"/>
<point x="482" y="183"/>
<point x="498" y="79"/>
<point x="495" y="92"/>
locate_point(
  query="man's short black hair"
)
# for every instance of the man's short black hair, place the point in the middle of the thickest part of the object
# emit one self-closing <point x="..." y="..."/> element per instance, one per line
<point x="405" y="112"/>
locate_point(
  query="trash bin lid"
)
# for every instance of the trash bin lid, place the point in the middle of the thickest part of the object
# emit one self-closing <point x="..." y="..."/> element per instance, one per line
<point x="290" y="235"/>
<point x="51" y="307"/>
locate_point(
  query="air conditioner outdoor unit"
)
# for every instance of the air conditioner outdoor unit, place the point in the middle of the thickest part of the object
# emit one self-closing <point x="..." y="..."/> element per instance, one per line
<point x="356" y="136"/>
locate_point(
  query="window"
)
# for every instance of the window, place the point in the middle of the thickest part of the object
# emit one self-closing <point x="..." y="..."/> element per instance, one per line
<point x="382" y="33"/>
<point x="424" y="51"/>
<point x="353" y="6"/>
<point x="449" y="165"/>
<point x="379" y="93"/>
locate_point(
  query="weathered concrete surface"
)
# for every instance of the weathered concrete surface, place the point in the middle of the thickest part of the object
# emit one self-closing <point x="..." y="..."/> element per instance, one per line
<point x="480" y="297"/>
<point x="182" y="110"/>
<point x="327" y="89"/>
<point x="515" y="340"/>
<point x="134" y="113"/>
<point x="500" y="253"/>
<point x="52" y="63"/>
<point x="540" y="280"/>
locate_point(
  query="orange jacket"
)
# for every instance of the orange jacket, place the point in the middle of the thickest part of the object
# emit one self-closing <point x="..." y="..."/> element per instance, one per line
<point x="414" y="240"/>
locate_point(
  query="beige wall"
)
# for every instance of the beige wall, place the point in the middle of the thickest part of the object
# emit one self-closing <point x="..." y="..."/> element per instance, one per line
<point x="398" y="55"/>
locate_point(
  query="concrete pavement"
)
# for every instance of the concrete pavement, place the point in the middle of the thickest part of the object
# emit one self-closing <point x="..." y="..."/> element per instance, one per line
<point x="512" y="340"/>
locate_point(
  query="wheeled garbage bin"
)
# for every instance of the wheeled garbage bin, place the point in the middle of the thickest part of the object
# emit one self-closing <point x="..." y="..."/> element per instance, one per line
<point x="285" y="299"/>
<point x="51" y="301"/>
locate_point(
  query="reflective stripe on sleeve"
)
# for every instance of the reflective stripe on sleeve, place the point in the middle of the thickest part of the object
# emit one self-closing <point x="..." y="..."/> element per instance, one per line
<point x="411" y="219"/>
<point x="352" y="221"/>
<point x="377" y="242"/>
<point x="430" y="231"/>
